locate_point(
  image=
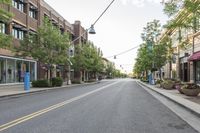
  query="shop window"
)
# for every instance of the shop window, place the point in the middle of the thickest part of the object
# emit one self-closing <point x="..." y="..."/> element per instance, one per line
<point x="10" y="71"/>
<point x="32" y="71"/>
<point x="2" y="70"/>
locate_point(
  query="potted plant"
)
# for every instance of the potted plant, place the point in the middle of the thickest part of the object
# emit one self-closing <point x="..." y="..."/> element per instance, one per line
<point x="178" y="87"/>
<point x="159" y="82"/>
<point x="168" y="84"/>
<point x="190" y="89"/>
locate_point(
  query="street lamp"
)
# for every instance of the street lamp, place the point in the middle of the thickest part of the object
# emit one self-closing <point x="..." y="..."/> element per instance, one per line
<point x="90" y="31"/>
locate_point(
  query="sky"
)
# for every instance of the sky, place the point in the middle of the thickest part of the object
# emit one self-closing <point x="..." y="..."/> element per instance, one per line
<point x="119" y="29"/>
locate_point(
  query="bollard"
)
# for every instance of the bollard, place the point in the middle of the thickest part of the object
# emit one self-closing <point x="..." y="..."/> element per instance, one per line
<point x="27" y="81"/>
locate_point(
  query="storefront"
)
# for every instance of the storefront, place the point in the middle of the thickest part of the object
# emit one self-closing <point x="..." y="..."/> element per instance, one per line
<point x="195" y="58"/>
<point x="184" y="69"/>
<point x="12" y="70"/>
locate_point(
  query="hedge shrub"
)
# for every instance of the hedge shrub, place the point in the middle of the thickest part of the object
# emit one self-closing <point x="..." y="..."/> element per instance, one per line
<point x="40" y="83"/>
<point x="57" y="81"/>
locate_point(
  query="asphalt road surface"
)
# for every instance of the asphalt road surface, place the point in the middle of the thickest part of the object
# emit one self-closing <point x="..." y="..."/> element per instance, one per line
<point x="111" y="106"/>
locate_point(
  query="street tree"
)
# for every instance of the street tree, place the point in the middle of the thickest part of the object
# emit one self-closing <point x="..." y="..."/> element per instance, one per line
<point x="5" y="16"/>
<point x="152" y="55"/>
<point x="48" y="46"/>
<point x="88" y="58"/>
<point x="152" y="49"/>
<point x="110" y="69"/>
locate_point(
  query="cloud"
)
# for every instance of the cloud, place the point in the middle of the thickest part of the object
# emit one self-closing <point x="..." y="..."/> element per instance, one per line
<point x="124" y="2"/>
<point x="140" y="3"/>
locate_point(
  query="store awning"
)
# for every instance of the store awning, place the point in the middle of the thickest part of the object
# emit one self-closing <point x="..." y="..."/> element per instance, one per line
<point x="195" y="56"/>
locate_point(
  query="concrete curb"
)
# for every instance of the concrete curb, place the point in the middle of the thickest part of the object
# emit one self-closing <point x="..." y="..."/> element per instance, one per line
<point x="24" y="93"/>
<point x="190" y="106"/>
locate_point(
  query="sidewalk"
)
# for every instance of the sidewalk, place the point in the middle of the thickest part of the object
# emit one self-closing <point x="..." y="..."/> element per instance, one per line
<point x="14" y="90"/>
<point x="190" y="103"/>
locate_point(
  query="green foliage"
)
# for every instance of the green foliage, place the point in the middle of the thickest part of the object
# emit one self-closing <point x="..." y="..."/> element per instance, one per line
<point x="76" y="82"/>
<point x="170" y="9"/>
<point x="5" y="16"/>
<point x="151" y="55"/>
<point x="168" y="84"/>
<point x="88" y="57"/>
<point x="190" y="86"/>
<point x="5" y="40"/>
<point x="56" y="81"/>
<point x="40" y="83"/>
<point x="159" y="81"/>
<point x="188" y="18"/>
<point x="48" y="45"/>
<point x="151" y="31"/>
<point x="110" y="69"/>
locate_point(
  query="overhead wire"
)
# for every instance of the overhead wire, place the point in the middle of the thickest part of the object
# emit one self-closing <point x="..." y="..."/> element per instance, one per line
<point x="124" y="52"/>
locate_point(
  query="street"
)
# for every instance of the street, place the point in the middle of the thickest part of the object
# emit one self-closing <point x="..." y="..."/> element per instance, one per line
<point x="111" y="106"/>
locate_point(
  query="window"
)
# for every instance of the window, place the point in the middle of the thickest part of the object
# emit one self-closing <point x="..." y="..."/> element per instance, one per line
<point x="18" y="33"/>
<point x="2" y="28"/>
<point x="18" y="4"/>
<point x="33" y="11"/>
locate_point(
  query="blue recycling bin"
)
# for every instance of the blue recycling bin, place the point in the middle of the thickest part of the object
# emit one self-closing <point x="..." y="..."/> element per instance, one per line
<point x="27" y="81"/>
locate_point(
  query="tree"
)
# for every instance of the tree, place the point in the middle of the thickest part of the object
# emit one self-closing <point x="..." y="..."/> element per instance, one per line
<point x="152" y="50"/>
<point x="5" y="16"/>
<point x="173" y="7"/>
<point x="110" y="69"/>
<point x="47" y="46"/>
<point x="151" y="54"/>
<point x="189" y="14"/>
<point x="88" y="58"/>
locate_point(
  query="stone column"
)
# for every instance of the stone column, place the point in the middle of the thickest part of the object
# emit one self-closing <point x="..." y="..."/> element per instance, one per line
<point x="191" y="71"/>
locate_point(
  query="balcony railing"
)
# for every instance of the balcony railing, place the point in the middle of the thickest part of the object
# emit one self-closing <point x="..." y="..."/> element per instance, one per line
<point x="32" y="23"/>
<point x="19" y="16"/>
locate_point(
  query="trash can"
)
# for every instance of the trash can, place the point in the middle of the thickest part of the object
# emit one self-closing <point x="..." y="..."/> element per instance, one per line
<point x="27" y="81"/>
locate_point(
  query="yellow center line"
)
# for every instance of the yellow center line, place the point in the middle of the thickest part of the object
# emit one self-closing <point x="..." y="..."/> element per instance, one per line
<point x="53" y="107"/>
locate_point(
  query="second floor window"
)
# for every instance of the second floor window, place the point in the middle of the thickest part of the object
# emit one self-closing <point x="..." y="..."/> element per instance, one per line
<point x="32" y="13"/>
<point x="2" y="28"/>
<point x="18" y="4"/>
<point x="18" y="33"/>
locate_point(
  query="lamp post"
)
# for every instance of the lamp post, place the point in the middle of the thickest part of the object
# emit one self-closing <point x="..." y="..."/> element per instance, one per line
<point x="90" y="31"/>
<point x="150" y="49"/>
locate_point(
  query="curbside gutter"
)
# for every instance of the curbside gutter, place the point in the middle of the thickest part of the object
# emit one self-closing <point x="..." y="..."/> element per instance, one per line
<point x="40" y="90"/>
<point x="194" y="108"/>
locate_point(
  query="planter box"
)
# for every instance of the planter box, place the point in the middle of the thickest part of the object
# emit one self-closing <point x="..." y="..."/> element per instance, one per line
<point x="178" y="87"/>
<point x="168" y="86"/>
<point x="190" y="92"/>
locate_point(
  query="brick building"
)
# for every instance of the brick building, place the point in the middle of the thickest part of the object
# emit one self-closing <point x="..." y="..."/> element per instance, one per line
<point x="27" y="17"/>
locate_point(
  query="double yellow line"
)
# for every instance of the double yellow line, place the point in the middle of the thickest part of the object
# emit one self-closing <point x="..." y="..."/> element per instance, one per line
<point x="53" y="107"/>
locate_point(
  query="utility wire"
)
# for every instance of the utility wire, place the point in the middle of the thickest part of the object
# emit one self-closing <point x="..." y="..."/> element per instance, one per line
<point x="103" y="12"/>
<point x="94" y="22"/>
<point x="123" y="52"/>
